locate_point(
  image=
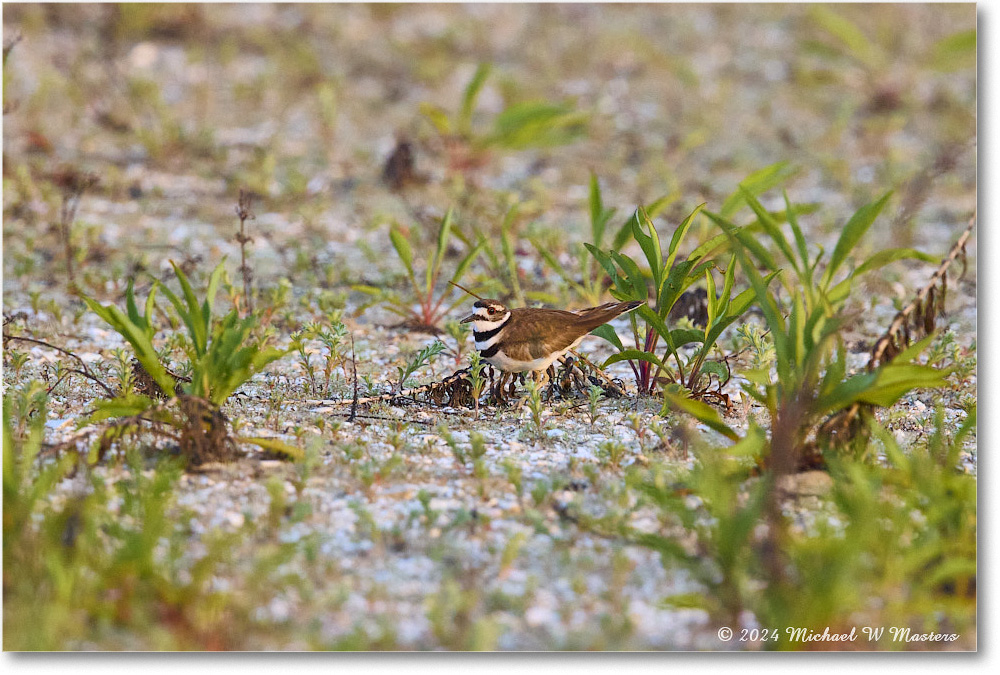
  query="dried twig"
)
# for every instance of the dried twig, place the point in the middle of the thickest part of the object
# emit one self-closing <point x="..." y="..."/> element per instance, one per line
<point x="86" y="372"/>
<point x="354" y="366"/>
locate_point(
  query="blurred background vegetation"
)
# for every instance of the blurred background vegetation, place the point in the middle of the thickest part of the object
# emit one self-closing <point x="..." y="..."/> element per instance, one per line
<point x="129" y="131"/>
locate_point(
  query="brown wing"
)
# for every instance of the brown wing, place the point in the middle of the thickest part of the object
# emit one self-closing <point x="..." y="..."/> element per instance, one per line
<point x="543" y="331"/>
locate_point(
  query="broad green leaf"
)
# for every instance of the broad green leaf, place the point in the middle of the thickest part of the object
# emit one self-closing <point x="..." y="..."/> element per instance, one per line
<point x="751" y="445"/>
<point x="213" y="286"/>
<point x="536" y="124"/>
<point x="636" y="282"/>
<point x="955" y="51"/>
<point x="711" y="300"/>
<point x="634" y="355"/>
<point x="886" y="256"/>
<point x="851" y="235"/>
<point x="744" y="235"/>
<point x="882" y="387"/>
<point x="599" y="216"/>
<point x="683" y="336"/>
<point x="120" y="407"/>
<point x="608" y="333"/>
<point x="649" y="243"/>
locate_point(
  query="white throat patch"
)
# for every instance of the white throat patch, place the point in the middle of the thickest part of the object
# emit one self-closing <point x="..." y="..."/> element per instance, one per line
<point x="486" y="326"/>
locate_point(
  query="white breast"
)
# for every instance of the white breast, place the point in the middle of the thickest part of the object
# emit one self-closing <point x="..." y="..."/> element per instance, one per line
<point x="501" y="361"/>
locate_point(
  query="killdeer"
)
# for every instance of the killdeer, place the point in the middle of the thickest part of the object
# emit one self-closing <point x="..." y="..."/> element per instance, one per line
<point x="532" y="339"/>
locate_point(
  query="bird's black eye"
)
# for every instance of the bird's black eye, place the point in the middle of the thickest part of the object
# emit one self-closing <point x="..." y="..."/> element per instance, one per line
<point x="492" y="310"/>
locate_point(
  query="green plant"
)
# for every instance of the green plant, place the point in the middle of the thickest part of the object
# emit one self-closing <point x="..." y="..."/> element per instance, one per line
<point x="221" y="356"/>
<point x="420" y="359"/>
<point x="670" y="278"/>
<point x="431" y="309"/>
<point x="527" y="124"/>
<point x="594" y="394"/>
<point x="535" y="407"/>
<point x="18" y="360"/>
<point x="476" y="377"/>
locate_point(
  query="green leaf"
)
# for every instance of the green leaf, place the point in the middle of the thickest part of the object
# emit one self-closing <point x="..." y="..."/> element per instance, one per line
<point x="275" y="446"/>
<point x="464" y="263"/>
<point x="884" y="257"/>
<point x="469" y="96"/>
<point x="678" y="236"/>
<point x="772" y="229"/>
<point x="402" y="247"/>
<point x="213" y="285"/>
<point x="635" y="282"/>
<point x="751" y="445"/>
<point x="437" y="116"/>
<point x="683" y="336"/>
<point x="757" y="183"/>
<point x="120" y="407"/>
<point x="702" y="412"/>
<point x="138" y="339"/>
<point x="599" y="216"/>
<point x="800" y="240"/>
<point x="744" y="235"/>
<point x="444" y="232"/>
<point x="649" y="243"/>
<point x="537" y="124"/>
<point x="634" y="355"/>
<point x="881" y="388"/>
<point x="955" y="51"/>
<point x="849" y="34"/>
<point x="608" y="333"/>
<point x="851" y="235"/>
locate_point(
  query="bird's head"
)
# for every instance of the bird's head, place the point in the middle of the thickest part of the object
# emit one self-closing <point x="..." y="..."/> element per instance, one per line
<point x="487" y="315"/>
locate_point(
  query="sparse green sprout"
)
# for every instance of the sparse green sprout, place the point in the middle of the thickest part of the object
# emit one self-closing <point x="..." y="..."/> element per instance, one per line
<point x="612" y="453"/>
<point x="540" y="491"/>
<point x="421" y="359"/>
<point x="459" y="332"/>
<point x="477" y="445"/>
<point x="536" y="407"/>
<point x="594" y="394"/>
<point x="456" y="450"/>
<point x="515" y="474"/>
<point x="18" y="360"/>
<point x="476" y="377"/>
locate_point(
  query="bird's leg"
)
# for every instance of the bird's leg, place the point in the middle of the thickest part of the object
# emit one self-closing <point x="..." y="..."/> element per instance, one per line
<point x="550" y="376"/>
<point x="498" y="388"/>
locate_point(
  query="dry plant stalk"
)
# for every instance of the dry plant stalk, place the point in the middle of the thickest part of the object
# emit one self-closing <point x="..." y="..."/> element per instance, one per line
<point x="917" y="318"/>
<point x="73" y="184"/>
<point x="922" y="311"/>
<point x="244" y="213"/>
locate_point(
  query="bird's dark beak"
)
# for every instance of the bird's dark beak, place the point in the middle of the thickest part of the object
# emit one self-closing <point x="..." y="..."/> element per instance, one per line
<point x="471" y="317"/>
